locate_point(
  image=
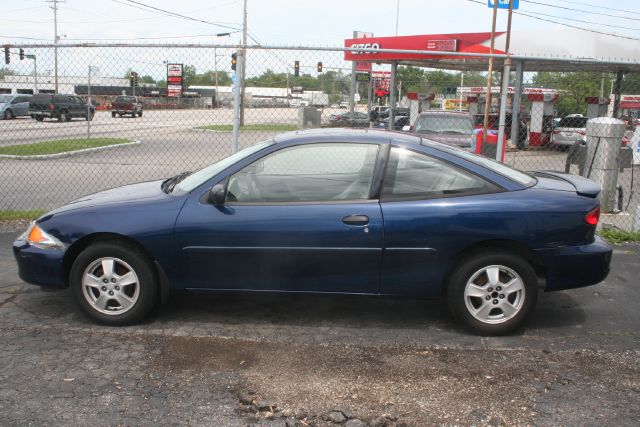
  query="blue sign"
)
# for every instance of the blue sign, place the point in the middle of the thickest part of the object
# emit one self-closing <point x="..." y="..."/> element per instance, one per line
<point x="504" y="4"/>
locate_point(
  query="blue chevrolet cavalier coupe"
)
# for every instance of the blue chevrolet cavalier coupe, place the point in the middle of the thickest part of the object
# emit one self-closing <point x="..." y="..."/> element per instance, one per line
<point x="338" y="211"/>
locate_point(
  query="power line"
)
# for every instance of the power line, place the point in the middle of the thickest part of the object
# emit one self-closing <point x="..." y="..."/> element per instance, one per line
<point x="153" y="9"/>
<point x="588" y="22"/>
<point x="599" y="7"/>
<point x="562" y="23"/>
<point x="582" y="10"/>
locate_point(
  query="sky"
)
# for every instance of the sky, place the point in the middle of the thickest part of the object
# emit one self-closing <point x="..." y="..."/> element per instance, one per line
<point x="279" y="22"/>
<point x="297" y="22"/>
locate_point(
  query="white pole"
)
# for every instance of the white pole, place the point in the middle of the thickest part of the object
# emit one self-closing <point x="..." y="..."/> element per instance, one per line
<point x="461" y="86"/>
<point x="503" y="109"/>
<point x="237" y="88"/>
<point x="89" y="104"/>
<point x="55" y="41"/>
<point x="397" y="15"/>
<point x="215" y="70"/>
<point x="35" y="73"/>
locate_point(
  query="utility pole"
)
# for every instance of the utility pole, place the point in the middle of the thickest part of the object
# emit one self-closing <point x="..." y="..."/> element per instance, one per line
<point x="54" y="6"/>
<point x="244" y="62"/>
<point x="215" y="70"/>
<point x="397" y="14"/>
<point x="487" y="104"/>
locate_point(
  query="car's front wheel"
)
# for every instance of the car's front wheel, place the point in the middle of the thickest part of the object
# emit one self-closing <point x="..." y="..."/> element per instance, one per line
<point x="492" y="293"/>
<point x="114" y="284"/>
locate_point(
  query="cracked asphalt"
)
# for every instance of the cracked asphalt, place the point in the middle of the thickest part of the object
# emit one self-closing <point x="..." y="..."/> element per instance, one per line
<point x="318" y="360"/>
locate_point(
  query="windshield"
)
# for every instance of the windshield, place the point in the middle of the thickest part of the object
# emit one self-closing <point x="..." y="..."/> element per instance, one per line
<point x="5" y="98"/>
<point x="125" y="99"/>
<point x="440" y="123"/>
<point x="573" y="122"/>
<point x="493" y="165"/>
<point x="195" y="179"/>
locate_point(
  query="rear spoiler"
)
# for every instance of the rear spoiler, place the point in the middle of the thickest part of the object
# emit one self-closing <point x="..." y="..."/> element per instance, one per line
<point x="583" y="186"/>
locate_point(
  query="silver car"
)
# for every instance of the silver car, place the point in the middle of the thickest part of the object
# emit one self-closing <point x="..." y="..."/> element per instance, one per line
<point x="450" y="127"/>
<point x="569" y="130"/>
<point x="12" y="106"/>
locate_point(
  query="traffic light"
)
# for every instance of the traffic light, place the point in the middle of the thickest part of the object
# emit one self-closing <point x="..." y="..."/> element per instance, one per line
<point x="7" y="56"/>
<point x="319" y="67"/>
<point x="296" y="68"/>
<point x="234" y="61"/>
<point x="133" y="79"/>
<point x="21" y="54"/>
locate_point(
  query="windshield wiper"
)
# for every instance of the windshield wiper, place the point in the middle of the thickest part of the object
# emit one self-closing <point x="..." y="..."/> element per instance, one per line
<point x="169" y="184"/>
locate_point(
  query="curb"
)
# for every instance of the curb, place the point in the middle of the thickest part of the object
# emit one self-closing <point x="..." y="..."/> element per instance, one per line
<point x="67" y="153"/>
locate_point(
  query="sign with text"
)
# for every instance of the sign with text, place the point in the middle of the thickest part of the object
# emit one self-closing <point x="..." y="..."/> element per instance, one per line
<point x="504" y="4"/>
<point x="174" y="80"/>
<point x="363" y="66"/>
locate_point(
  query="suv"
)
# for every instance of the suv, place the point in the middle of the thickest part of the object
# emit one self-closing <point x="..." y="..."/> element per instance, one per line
<point x="569" y="130"/>
<point x="126" y="105"/>
<point x="58" y="106"/>
<point x="450" y="127"/>
<point x="12" y="106"/>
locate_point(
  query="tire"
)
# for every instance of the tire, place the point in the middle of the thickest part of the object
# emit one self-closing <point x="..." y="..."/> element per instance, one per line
<point x="140" y="113"/>
<point x="120" y="114"/>
<point x="90" y="117"/>
<point x="63" y="116"/>
<point x="39" y="118"/>
<point x="8" y="115"/>
<point x="505" y="311"/>
<point x="133" y="114"/>
<point x="113" y="114"/>
<point x="106" y="302"/>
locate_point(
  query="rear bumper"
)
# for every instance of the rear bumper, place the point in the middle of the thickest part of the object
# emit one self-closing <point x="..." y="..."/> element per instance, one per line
<point x="39" y="266"/>
<point x="40" y="113"/>
<point x="577" y="266"/>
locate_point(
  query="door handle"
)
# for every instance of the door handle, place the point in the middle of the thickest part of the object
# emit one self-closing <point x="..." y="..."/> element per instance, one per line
<point x="356" y="220"/>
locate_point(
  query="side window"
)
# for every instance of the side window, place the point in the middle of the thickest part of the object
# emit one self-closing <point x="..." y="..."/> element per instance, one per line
<point x="413" y="175"/>
<point x="307" y="173"/>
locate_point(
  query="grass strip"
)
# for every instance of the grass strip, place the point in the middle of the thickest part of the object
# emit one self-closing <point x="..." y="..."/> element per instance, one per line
<point x="264" y="127"/>
<point x="615" y="236"/>
<point x="8" y="215"/>
<point x="59" y="146"/>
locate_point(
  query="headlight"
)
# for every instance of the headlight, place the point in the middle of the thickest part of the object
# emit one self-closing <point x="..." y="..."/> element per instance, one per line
<point x="37" y="237"/>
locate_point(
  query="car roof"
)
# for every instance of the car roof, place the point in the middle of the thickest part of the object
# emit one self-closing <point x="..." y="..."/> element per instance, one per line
<point x="445" y="112"/>
<point x="346" y="135"/>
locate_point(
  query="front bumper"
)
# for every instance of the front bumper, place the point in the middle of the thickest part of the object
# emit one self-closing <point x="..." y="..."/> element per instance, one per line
<point x="40" y="113"/>
<point x="577" y="266"/>
<point x="39" y="266"/>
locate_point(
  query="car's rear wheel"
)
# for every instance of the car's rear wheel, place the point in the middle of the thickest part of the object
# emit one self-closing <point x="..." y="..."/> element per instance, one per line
<point x="140" y="113"/>
<point x="39" y="118"/>
<point x="133" y="114"/>
<point x="8" y="115"/>
<point x="113" y="114"/>
<point x="492" y="293"/>
<point x="63" y="116"/>
<point x="114" y="284"/>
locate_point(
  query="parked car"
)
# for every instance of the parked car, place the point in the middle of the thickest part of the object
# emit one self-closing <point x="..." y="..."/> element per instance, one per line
<point x="58" y="106"/>
<point x="344" y="105"/>
<point x="126" y="105"/>
<point x="450" y="127"/>
<point x="358" y="119"/>
<point x="399" y="123"/>
<point x="328" y="211"/>
<point x="12" y="106"/>
<point x="569" y="130"/>
<point x="374" y="114"/>
<point x="399" y="111"/>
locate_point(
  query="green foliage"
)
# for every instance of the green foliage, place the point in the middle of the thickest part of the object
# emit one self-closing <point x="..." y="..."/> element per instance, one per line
<point x="419" y="80"/>
<point x="573" y="87"/>
<point x="631" y="84"/>
<point x="8" y="215"/>
<point x="615" y="236"/>
<point x="6" y="71"/>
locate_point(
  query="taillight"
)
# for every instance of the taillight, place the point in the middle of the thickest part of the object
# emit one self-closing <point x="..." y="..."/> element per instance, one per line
<point x="52" y="107"/>
<point x="556" y="132"/>
<point x="593" y="216"/>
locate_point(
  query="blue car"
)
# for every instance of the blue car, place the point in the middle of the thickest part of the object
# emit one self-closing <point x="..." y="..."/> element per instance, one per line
<point x="328" y="211"/>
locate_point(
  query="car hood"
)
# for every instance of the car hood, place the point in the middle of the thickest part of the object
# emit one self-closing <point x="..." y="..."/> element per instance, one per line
<point x="461" y="140"/>
<point x="134" y="193"/>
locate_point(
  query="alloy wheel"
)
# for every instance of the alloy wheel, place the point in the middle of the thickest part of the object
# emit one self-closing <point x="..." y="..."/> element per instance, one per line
<point x="110" y="286"/>
<point x="494" y="294"/>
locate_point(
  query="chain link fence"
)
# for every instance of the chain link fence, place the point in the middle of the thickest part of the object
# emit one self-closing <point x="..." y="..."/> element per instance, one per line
<point x="158" y="110"/>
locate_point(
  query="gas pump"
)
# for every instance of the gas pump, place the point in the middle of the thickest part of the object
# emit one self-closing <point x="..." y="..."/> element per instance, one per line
<point x="418" y="102"/>
<point x="542" y="113"/>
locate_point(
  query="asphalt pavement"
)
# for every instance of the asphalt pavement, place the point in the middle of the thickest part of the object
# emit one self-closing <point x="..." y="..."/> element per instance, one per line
<point x="320" y="360"/>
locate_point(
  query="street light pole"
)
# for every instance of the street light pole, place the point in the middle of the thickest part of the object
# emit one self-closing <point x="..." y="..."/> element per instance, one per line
<point x="487" y="104"/>
<point x="244" y="62"/>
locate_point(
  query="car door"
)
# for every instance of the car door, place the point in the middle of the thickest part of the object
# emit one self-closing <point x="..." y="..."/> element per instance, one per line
<point x="21" y="105"/>
<point x="430" y="208"/>
<point x="299" y="219"/>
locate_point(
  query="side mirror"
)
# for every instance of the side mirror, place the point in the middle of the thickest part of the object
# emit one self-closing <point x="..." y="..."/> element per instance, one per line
<point x="217" y="195"/>
<point x="406" y="128"/>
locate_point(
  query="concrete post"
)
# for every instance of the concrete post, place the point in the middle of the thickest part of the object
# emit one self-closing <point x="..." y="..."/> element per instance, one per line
<point x="604" y="136"/>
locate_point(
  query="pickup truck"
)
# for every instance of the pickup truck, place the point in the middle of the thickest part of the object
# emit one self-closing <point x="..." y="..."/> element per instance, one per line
<point x="59" y="106"/>
<point x="126" y="105"/>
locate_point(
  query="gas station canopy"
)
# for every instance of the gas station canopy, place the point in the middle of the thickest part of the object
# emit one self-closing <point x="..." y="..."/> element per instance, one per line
<point x="555" y="50"/>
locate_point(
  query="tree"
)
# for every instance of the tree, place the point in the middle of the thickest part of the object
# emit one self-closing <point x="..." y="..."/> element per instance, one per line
<point x="6" y="71"/>
<point x="573" y="89"/>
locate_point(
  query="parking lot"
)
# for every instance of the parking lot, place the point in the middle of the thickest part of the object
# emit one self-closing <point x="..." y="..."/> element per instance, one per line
<point x="311" y="360"/>
<point x="170" y="143"/>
